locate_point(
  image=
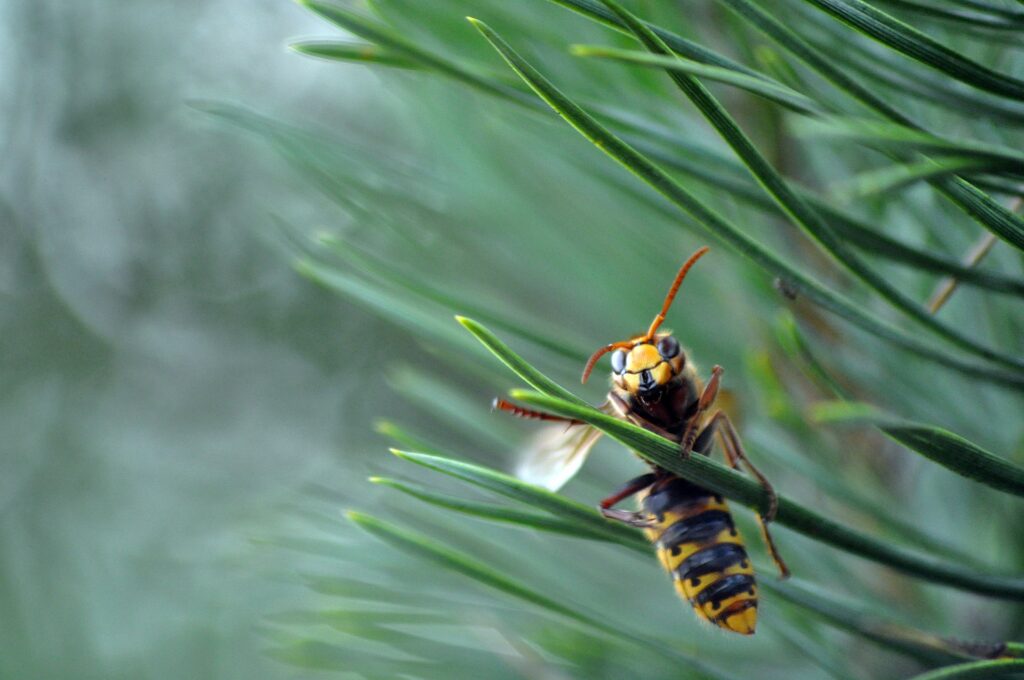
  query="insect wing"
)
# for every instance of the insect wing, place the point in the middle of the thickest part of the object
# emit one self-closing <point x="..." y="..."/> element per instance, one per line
<point x="555" y="454"/>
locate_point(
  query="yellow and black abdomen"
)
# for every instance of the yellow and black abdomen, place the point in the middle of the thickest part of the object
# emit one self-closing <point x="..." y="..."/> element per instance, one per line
<point x="699" y="546"/>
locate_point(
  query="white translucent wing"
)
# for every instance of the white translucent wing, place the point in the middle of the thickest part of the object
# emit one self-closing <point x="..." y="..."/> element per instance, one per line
<point x="555" y="454"/>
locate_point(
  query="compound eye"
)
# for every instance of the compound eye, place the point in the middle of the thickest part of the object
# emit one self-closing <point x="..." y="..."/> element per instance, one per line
<point x="668" y="347"/>
<point x="619" y="361"/>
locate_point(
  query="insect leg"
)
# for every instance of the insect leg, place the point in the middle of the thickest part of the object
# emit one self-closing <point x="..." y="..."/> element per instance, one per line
<point x="521" y="412"/>
<point x="631" y="487"/>
<point x="734" y="453"/>
<point x="707" y="397"/>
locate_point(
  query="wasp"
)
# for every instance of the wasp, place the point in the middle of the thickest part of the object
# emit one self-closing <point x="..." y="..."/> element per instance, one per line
<point x="656" y="387"/>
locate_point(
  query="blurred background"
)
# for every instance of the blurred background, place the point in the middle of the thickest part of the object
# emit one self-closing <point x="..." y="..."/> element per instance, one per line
<point x="186" y="412"/>
<point x="166" y="374"/>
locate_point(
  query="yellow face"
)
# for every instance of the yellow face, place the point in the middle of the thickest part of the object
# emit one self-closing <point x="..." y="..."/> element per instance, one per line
<point x="648" y="366"/>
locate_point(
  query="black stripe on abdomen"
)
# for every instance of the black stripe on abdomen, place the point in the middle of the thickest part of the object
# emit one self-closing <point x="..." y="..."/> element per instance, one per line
<point x="712" y="560"/>
<point x="672" y="496"/>
<point x="700" y="528"/>
<point x="726" y="587"/>
<point x="732" y="610"/>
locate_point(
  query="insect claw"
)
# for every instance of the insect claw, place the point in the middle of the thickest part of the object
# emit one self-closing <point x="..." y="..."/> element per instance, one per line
<point x="633" y="519"/>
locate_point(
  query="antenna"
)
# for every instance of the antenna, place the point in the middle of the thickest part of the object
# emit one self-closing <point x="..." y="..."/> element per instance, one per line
<point x="658" y="320"/>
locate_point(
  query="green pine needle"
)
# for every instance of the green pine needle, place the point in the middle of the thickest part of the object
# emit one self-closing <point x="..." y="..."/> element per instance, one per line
<point x="945" y="448"/>
<point x="738" y="487"/>
<point x="718" y="226"/>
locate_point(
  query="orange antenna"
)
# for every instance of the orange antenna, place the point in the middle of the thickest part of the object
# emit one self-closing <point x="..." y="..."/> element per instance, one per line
<point x="600" y="353"/>
<point x="658" y="320"/>
<point x="672" y="292"/>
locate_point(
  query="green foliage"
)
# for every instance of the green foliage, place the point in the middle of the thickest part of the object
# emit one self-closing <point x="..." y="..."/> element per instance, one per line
<point x="975" y="669"/>
<point x="818" y="167"/>
<point x="941" y="446"/>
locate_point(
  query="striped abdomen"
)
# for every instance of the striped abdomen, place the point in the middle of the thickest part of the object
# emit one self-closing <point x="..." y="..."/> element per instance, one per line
<point x="699" y="546"/>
